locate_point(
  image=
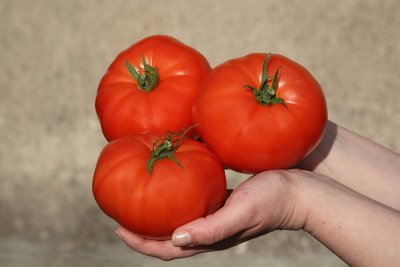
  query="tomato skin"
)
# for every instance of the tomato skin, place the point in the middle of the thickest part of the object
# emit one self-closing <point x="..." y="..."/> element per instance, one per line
<point x="249" y="137"/>
<point x="154" y="204"/>
<point x="123" y="108"/>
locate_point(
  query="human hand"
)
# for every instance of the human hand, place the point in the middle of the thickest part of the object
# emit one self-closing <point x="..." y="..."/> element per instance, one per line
<point x="265" y="202"/>
<point x="348" y="223"/>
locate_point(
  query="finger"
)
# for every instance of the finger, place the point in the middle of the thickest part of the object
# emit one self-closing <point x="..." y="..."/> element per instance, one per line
<point x="163" y="250"/>
<point x="230" y="220"/>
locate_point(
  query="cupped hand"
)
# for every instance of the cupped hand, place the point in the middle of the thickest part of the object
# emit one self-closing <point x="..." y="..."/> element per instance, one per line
<point x="263" y="203"/>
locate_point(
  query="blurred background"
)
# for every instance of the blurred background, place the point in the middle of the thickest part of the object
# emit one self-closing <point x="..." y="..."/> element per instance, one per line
<point x="53" y="54"/>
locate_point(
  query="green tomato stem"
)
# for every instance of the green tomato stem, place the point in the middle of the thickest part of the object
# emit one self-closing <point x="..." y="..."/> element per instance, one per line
<point x="167" y="148"/>
<point x="266" y="94"/>
<point x="147" y="78"/>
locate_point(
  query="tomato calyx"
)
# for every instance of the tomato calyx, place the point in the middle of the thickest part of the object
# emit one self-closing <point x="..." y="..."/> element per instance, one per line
<point x="167" y="148"/>
<point x="146" y="78"/>
<point x="266" y="93"/>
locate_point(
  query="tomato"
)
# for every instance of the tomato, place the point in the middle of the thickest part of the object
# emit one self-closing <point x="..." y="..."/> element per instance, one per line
<point x="150" y="87"/>
<point x="151" y="187"/>
<point x="260" y="112"/>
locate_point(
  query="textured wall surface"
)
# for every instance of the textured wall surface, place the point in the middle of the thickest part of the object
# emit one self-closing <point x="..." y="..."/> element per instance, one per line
<point x="53" y="54"/>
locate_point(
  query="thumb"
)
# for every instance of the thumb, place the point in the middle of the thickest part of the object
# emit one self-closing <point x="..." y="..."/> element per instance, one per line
<point x="231" y="219"/>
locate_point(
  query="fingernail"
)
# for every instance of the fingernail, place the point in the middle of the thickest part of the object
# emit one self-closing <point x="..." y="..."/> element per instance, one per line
<point x="181" y="239"/>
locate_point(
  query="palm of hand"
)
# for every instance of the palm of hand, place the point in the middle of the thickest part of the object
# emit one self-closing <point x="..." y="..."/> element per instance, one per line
<point x="261" y="204"/>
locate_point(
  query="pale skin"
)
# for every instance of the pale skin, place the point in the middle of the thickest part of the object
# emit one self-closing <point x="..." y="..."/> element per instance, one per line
<point x="346" y="194"/>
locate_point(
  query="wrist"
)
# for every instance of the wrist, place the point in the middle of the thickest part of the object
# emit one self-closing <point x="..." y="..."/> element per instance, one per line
<point x="324" y="200"/>
<point x="314" y="201"/>
<point x="315" y="192"/>
<point x="298" y="186"/>
<point x="350" y="224"/>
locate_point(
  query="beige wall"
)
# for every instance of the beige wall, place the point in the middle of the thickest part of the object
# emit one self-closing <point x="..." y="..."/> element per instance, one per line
<point x="53" y="53"/>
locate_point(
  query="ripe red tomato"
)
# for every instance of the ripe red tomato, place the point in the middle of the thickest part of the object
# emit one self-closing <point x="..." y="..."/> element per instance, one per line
<point x="260" y="112"/>
<point x="153" y="189"/>
<point x="151" y="86"/>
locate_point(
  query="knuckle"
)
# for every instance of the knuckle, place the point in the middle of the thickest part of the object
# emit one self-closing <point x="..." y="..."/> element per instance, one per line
<point x="210" y="236"/>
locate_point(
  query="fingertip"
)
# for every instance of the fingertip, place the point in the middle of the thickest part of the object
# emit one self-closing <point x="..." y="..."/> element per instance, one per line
<point x="126" y="236"/>
<point x="118" y="232"/>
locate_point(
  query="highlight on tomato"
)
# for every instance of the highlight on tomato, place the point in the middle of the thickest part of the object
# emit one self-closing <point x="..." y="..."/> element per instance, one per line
<point x="151" y="186"/>
<point x="150" y="87"/>
<point x="260" y="112"/>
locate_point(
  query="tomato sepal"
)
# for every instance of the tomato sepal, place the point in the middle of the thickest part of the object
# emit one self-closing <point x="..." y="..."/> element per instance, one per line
<point x="167" y="148"/>
<point x="147" y="78"/>
<point x="266" y="94"/>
